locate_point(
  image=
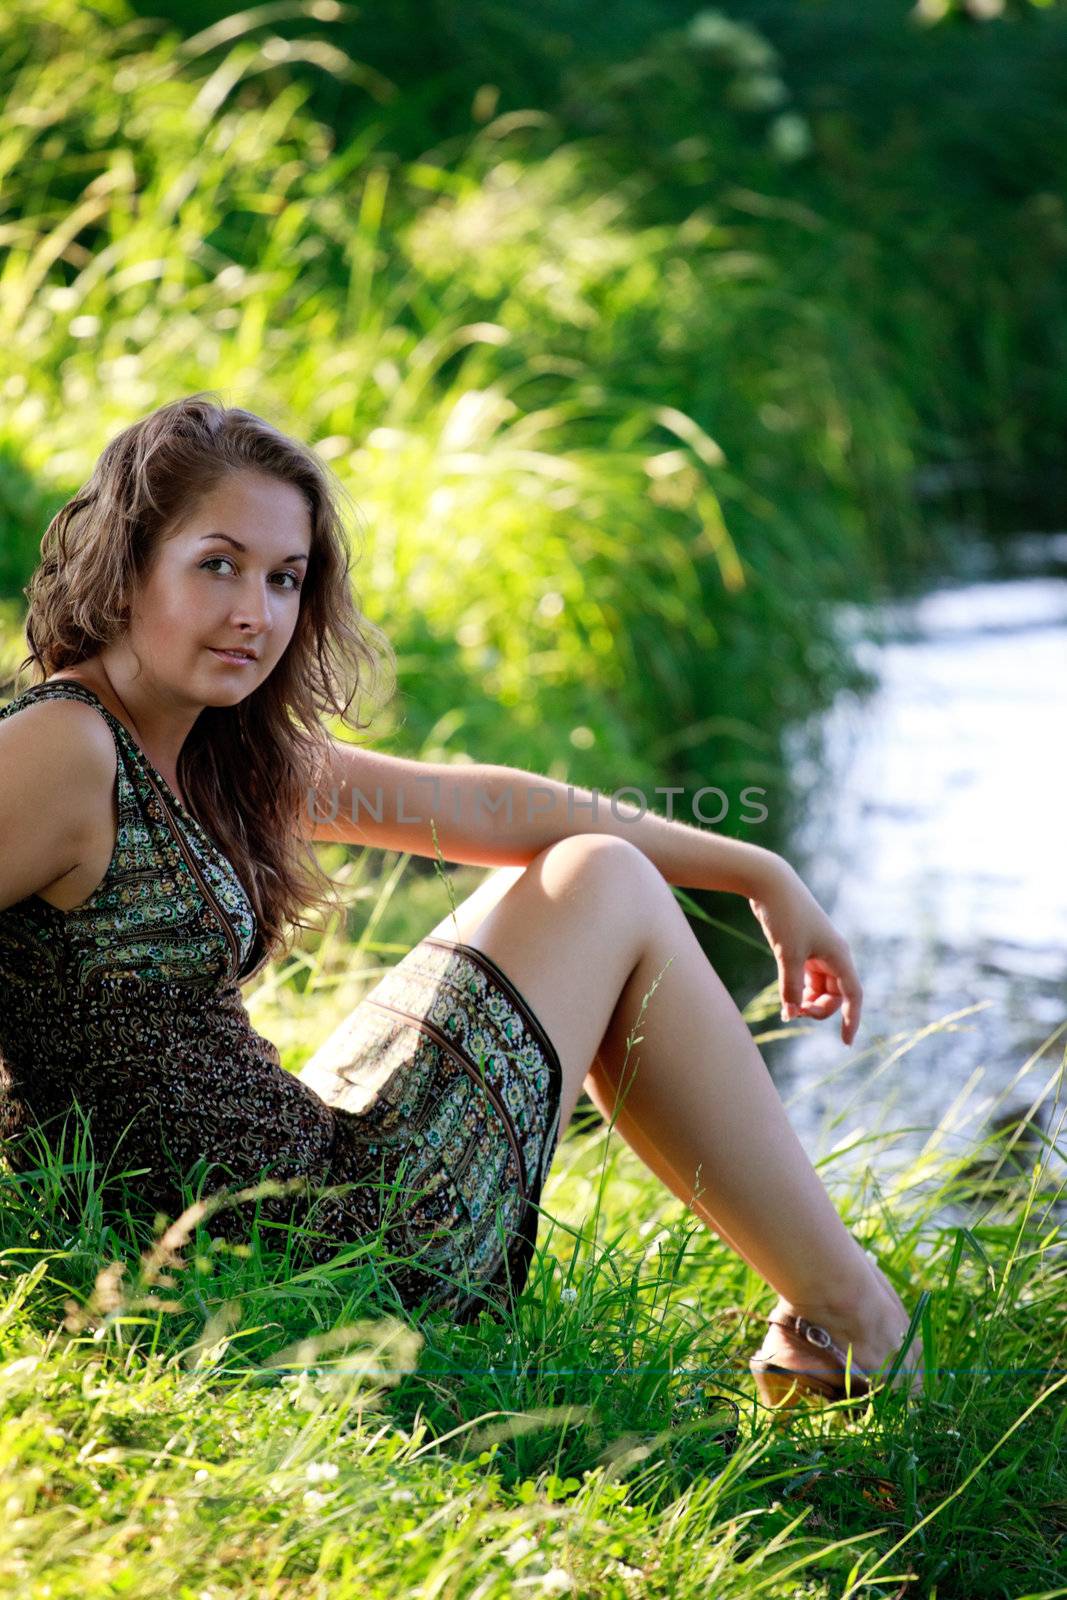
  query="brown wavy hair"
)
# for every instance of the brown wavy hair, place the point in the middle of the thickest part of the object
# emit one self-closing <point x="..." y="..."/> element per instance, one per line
<point x="94" y="553"/>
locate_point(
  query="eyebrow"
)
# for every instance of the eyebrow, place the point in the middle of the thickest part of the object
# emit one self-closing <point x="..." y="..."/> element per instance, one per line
<point x="299" y="556"/>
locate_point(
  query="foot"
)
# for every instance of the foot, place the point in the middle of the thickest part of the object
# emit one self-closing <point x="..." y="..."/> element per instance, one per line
<point x="875" y="1330"/>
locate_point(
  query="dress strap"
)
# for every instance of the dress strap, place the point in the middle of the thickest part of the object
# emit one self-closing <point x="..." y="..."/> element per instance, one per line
<point x="66" y="689"/>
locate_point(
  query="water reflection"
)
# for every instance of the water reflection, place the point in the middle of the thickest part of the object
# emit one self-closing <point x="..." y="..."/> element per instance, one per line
<point x="934" y="837"/>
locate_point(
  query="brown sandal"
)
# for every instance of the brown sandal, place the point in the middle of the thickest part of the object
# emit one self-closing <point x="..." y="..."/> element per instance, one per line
<point x="783" y="1386"/>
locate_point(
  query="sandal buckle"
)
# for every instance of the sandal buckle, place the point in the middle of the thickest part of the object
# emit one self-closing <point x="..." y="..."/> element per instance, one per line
<point x="818" y="1336"/>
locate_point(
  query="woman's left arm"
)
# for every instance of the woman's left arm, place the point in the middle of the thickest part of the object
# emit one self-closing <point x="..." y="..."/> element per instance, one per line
<point x="816" y="974"/>
<point x="489" y="815"/>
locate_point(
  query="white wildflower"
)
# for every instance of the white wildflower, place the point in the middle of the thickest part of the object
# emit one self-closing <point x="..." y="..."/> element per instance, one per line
<point x="313" y="1499"/>
<point x="200" y="1474"/>
<point x="568" y="1294"/>
<point x="555" y="1581"/>
<point x="518" y="1548"/>
<point x="317" y="1470"/>
<point x="401" y="1494"/>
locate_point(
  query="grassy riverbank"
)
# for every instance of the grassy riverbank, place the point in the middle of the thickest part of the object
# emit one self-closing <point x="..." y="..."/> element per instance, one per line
<point x="213" y="1420"/>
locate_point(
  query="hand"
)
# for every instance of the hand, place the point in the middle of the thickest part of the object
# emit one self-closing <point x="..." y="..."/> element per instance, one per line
<point x="815" y="971"/>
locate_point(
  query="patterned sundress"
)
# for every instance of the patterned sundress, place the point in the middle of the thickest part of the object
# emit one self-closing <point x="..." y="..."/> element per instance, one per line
<point x="435" y="1103"/>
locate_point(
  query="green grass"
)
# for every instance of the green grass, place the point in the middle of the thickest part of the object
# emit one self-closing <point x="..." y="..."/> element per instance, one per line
<point x="190" y="1415"/>
<point x="610" y="469"/>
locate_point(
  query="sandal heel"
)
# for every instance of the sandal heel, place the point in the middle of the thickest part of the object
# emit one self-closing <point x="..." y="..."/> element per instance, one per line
<point x="782" y="1388"/>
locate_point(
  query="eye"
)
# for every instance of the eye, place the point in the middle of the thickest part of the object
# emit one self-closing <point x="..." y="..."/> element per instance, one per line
<point x="286" y="573"/>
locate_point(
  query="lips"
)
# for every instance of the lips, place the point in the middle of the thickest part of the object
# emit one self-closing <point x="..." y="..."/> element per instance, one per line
<point x="226" y="650"/>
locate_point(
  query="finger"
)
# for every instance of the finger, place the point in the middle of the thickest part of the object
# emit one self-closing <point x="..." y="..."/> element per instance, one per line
<point x="823" y="1007"/>
<point x="790" y="983"/>
<point x="852" y="990"/>
<point x="818" y="980"/>
<point x="819" y="972"/>
<point x="820" y="1001"/>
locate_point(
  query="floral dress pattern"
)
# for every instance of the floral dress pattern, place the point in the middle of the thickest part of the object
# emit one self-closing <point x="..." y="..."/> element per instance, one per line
<point x="431" y="1114"/>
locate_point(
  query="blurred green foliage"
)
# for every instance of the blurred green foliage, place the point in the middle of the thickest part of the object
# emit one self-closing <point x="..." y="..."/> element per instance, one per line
<point x="634" y="331"/>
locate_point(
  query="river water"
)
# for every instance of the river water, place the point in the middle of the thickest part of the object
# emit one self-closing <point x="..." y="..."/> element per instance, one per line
<point x="930" y="824"/>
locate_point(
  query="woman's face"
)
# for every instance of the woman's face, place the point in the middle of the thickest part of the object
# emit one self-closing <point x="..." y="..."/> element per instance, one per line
<point x="202" y="593"/>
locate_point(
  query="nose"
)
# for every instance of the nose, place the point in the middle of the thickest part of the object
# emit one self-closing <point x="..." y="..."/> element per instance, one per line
<point x="252" y="610"/>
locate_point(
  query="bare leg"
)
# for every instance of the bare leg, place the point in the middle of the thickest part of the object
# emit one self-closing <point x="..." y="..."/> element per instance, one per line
<point x="601" y="1088"/>
<point x="587" y="932"/>
<point x="599" y="1084"/>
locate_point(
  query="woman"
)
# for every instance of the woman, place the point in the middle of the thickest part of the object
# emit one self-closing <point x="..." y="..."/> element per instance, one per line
<point x="161" y="787"/>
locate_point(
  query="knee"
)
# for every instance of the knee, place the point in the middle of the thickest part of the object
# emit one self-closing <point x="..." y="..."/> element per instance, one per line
<point x="599" y="858"/>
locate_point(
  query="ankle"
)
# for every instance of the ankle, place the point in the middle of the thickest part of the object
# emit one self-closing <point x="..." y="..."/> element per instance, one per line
<point x="871" y="1319"/>
<point x="858" y="1293"/>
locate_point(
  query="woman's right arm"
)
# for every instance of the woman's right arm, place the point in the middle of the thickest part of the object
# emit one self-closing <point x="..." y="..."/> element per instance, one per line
<point x="57" y="761"/>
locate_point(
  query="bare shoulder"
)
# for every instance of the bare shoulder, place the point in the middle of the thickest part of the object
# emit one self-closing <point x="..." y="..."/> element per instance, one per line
<point x="47" y="730"/>
<point x="57" y="775"/>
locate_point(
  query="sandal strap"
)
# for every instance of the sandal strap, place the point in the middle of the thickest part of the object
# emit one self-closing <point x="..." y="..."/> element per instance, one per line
<point x="811" y="1331"/>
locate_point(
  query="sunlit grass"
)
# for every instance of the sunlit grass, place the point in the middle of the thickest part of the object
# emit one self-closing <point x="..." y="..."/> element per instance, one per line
<point x="183" y="1410"/>
<point x="223" y="1419"/>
